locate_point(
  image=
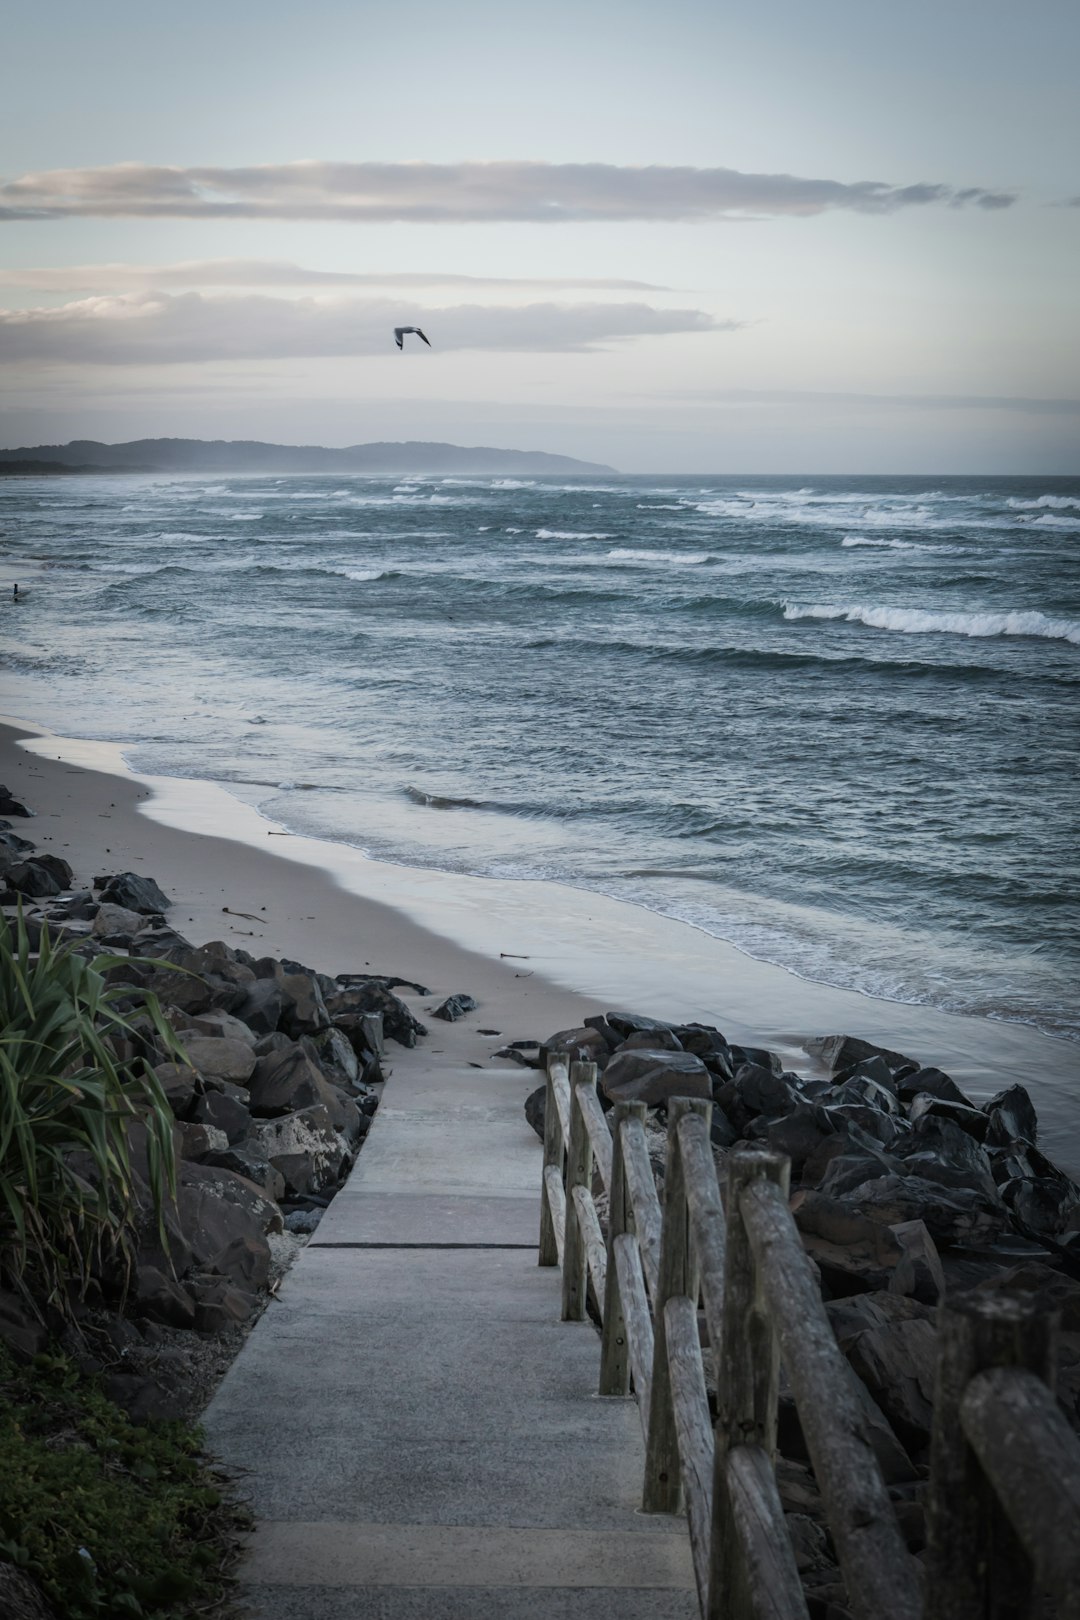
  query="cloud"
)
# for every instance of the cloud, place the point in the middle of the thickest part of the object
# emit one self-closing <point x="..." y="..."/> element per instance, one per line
<point x="458" y="192"/>
<point x="164" y="328"/>
<point x="742" y="397"/>
<point x="279" y="273"/>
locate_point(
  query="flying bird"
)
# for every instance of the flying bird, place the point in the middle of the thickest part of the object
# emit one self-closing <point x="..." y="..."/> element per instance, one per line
<point x="400" y="331"/>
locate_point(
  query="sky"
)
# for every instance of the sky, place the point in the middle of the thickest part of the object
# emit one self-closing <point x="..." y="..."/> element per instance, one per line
<point x="670" y="237"/>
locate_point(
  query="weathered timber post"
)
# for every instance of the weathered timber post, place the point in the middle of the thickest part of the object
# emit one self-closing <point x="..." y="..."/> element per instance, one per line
<point x="976" y="1568"/>
<point x="747" y="1379"/>
<point x="579" y="1169"/>
<point x="553" y="1156"/>
<point x="678" y="1276"/>
<point x="615" y="1350"/>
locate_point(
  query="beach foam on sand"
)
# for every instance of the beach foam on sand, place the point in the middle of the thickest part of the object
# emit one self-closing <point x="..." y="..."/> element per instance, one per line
<point x="537" y="956"/>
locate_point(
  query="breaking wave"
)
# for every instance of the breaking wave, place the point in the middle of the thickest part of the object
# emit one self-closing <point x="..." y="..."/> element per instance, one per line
<point x="921" y="621"/>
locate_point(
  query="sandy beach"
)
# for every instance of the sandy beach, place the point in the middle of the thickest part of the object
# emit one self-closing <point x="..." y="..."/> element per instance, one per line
<point x="537" y="956"/>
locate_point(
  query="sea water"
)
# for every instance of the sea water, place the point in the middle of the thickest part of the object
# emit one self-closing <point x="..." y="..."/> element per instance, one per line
<point x="833" y="721"/>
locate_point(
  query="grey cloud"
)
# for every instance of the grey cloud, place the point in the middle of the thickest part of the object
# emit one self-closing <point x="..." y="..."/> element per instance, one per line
<point x="460" y="192"/>
<point x="913" y="402"/>
<point x="163" y="328"/>
<point x="278" y="273"/>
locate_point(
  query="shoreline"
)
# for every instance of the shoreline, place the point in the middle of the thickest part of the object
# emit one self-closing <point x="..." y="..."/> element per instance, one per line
<point x="537" y="955"/>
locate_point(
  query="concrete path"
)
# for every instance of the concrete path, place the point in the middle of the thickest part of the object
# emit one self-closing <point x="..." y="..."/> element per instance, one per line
<point x="420" y="1431"/>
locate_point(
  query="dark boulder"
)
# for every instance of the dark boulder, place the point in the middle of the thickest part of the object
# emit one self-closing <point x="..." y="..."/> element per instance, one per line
<point x="133" y="892"/>
<point x="248" y="1159"/>
<point x="221" y="1306"/>
<point x="762" y="1090"/>
<point x="536" y="1109"/>
<point x="303" y="1010"/>
<point x="454" y="1007"/>
<point x="655" y="1077"/>
<point x="305" y="1148"/>
<point x="220" y="1057"/>
<point x="844" y="1051"/>
<point x="891" y="1345"/>
<point x="581" y="1044"/>
<point x="260" y="1006"/>
<point x="157" y="1295"/>
<point x="655" y="1040"/>
<point x="932" y="1082"/>
<point x="598" y="1022"/>
<point x="1011" y="1116"/>
<point x="372" y="996"/>
<point x="760" y="1056"/>
<point x="939" y="1150"/>
<point x="34" y="878"/>
<point x="223" y="1112"/>
<point x="10" y="806"/>
<point x="799" y="1134"/>
<point x="627" y="1023"/>
<point x="971" y="1120"/>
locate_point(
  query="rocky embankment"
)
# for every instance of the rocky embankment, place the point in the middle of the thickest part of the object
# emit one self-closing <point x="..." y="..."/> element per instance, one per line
<point x="904" y="1192"/>
<point x="283" y="1075"/>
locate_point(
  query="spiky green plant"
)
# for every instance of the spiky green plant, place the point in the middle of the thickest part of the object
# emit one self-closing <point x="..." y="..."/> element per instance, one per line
<point x="68" y="1192"/>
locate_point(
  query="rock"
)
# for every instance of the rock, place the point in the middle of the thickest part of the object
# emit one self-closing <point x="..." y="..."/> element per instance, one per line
<point x="536" y="1109"/>
<point x="39" y="877"/>
<point x="303" y="1221"/>
<point x="861" y="1091"/>
<point x="934" y="1083"/>
<point x="180" y="1085"/>
<point x="221" y="1057"/>
<point x="288" y="1080"/>
<point x="581" y="1044"/>
<point x="891" y="1345"/>
<point x="710" y="1046"/>
<point x="651" y="1040"/>
<point x="225" y="1220"/>
<point x="799" y="1134"/>
<point x="20" y="1329"/>
<point x="248" y="1159"/>
<point x="952" y="1214"/>
<point x="1042" y="1285"/>
<point x="10" y="806"/>
<point x="198" y="1140"/>
<point x="652" y="1076"/>
<point x="844" y="1051"/>
<point x="871" y="1068"/>
<point x="372" y="996"/>
<point x="624" y="1023"/>
<point x="1011" y="1116"/>
<point x="595" y="1021"/>
<point x="223" y="1113"/>
<point x="454" y="1007"/>
<point x="305" y="1148"/>
<point x="260" y="1007"/>
<point x="363" y="1031"/>
<point x="809" y="1543"/>
<point x="160" y="1297"/>
<point x="220" y="1026"/>
<point x="303" y="1010"/>
<point x="133" y="892"/>
<point x="762" y="1091"/>
<point x="971" y="1120"/>
<point x="115" y="924"/>
<point x="222" y="1305"/>
<point x="918" y="1272"/>
<point x="336" y="1053"/>
<point x="758" y="1055"/>
<point x="938" y="1150"/>
<point x="1041" y="1208"/>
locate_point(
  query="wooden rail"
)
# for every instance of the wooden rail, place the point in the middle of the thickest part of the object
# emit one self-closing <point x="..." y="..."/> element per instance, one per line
<point x="1003" y="1500"/>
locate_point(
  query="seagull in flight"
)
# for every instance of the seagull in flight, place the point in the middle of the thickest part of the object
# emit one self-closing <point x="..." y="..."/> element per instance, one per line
<point x="400" y="331"/>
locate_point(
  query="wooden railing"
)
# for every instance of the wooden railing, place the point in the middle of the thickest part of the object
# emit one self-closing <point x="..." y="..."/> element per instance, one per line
<point x="1003" y="1500"/>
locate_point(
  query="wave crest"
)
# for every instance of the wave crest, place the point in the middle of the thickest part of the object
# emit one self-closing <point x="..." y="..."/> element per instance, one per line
<point x="922" y="621"/>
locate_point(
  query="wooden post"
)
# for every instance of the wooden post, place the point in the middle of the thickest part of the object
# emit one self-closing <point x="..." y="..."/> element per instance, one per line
<point x="615" y="1354"/>
<point x="677" y="1276"/>
<point x="553" y="1155"/>
<point x="747" y="1376"/>
<point x="579" y="1168"/>
<point x="976" y="1566"/>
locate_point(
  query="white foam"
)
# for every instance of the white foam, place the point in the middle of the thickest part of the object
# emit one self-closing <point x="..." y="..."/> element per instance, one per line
<point x="569" y="534"/>
<point x="887" y="545"/>
<point x="622" y="555"/>
<point x="920" y="621"/>
<point x="1054" y="501"/>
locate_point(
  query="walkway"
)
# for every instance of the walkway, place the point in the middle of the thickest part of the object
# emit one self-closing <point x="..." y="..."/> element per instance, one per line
<point x="420" y="1431"/>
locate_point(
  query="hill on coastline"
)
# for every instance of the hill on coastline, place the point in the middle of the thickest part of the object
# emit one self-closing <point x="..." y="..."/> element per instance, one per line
<point x="251" y="456"/>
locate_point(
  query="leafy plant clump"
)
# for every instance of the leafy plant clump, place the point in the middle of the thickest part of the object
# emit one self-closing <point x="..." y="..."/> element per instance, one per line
<point x="68" y="1100"/>
<point x="108" y="1518"/>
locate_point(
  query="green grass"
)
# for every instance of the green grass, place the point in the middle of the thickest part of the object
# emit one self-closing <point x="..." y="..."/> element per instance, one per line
<point x="68" y="1192"/>
<point x="110" y="1519"/>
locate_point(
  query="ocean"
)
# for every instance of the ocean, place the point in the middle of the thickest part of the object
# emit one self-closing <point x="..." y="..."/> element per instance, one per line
<point x="831" y="720"/>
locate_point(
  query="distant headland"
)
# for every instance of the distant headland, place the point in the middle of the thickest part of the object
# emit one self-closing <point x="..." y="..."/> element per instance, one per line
<point x="411" y="458"/>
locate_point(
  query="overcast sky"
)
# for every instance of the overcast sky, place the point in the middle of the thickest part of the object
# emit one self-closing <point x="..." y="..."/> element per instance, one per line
<point x="675" y="237"/>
